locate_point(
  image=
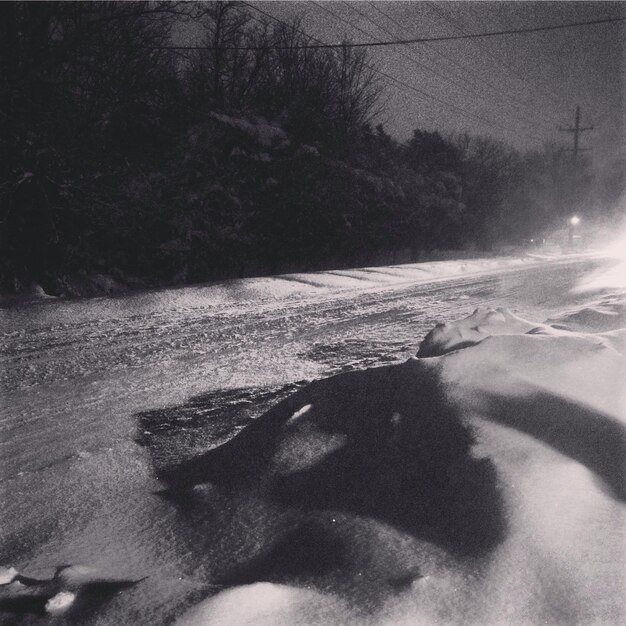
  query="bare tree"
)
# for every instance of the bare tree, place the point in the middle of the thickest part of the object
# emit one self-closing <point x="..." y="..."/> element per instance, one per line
<point x="217" y="75"/>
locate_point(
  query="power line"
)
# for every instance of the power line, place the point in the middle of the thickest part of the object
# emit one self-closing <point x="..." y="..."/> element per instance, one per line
<point x="371" y="67"/>
<point x="410" y="58"/>
<point x="397" y="42"/>
<point x="458" y="25"/>
<point x="461" y="110"/>
<point x="406" y="86"/>
<point x="514" y="104"/>
<point x="396" y="80"/>
<point x="462" y="85"/>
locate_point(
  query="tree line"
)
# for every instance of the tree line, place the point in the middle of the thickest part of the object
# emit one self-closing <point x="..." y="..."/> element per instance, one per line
<point x="252" y="155"/>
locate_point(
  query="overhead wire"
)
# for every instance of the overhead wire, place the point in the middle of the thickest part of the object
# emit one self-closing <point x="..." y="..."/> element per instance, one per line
<point x="463" y="85"/>
<point x="396" y="42"/>
<point x="398" y="82"/>
<point x="464" y="68"/>
<point x="382" y="73"/>
<point x="428" y="95"/>
<point x="459" y="26"/>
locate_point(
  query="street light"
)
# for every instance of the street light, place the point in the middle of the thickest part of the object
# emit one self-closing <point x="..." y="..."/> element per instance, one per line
<point x="574" y="220"/>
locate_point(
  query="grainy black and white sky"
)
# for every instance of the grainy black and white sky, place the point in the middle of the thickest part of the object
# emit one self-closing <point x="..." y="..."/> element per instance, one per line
<point x="519" y="88"/>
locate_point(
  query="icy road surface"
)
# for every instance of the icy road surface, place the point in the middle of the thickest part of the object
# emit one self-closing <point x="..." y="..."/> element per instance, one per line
<point x="83" y="381"/>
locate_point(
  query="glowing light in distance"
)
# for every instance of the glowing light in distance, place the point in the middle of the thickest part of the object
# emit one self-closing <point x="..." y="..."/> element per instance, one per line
<point x="613" y="276"/>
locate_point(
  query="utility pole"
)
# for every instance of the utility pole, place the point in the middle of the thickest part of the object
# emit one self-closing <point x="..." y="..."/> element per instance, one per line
<point x="575" y="182"/>
<point x="576" y="130"/>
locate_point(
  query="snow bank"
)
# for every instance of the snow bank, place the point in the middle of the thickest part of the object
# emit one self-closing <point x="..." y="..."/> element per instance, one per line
<point x="484" y="484"/>
<point x="484" y="322"/>
<point x="419" y="272"/>
<point x="333" y="282"/>
<point x="602" y="314"/>
<point x="329" y="283"/>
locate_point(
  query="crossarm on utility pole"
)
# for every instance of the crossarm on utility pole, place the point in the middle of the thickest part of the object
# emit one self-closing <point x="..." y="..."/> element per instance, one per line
<point x="577" y="129"/>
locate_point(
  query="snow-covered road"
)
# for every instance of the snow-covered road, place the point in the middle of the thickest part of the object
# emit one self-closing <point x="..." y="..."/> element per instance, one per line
<point x="96" y="362"/>
<point x="83" y="381"/>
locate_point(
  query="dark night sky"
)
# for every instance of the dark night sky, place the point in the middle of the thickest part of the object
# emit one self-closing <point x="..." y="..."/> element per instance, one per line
<point x="523" y="86"/>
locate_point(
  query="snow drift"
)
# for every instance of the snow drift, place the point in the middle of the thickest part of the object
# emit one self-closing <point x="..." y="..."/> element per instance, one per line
<point x="481" y="483"/>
